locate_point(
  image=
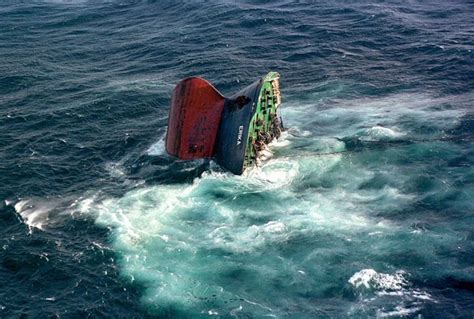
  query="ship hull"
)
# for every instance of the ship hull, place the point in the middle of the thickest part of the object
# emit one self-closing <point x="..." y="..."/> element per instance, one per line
<point x="234" y="130"/>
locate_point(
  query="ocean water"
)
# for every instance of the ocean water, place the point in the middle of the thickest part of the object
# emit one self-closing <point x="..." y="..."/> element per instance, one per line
<point x="365" y="209"/>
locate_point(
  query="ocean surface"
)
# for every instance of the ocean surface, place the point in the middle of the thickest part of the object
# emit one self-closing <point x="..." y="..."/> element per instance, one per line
<point x="365" y="209"/>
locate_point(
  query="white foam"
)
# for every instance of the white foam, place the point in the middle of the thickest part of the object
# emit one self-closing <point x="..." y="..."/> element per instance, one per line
<point x="281" y="141"/>
<point x="248" y="239"/>
<point x="369" y="278"/>
<point x="115" y="169"/>
<point x="8" y="202"/>
<point x="34" y="214"/>
<point x="273" y="227"/>
<point x="264" y="154"/>
<point x="295" y="131"/>
<point x="273" y="174"/>
<point x="42" y="213"/>
<point x="212" y="312"/>
<point x="85" y="204"/>
<point x="404" y="300"/>
<point x="399" y="311"/>
<point x="380" y="133"/>
<point x="157" y="148"/>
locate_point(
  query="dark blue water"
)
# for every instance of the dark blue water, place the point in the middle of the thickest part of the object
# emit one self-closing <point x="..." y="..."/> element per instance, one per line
<point x="98" y="222"/>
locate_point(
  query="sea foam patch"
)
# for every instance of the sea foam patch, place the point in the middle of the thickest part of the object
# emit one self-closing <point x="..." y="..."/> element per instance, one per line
<point x="157" y="148"/>
<point x="50" y="212"/>
<point x="39" y="213"/>
<point x="380" y="133"/>
<point x="395" y="291"/>
<point x="369" y="278"/>
<point x="33" y="214"/>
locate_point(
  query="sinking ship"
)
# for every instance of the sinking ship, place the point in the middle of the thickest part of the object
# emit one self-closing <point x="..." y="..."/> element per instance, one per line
<point x="235" y="130"/>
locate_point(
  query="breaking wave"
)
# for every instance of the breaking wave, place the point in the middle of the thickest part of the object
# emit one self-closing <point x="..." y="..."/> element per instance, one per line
<point x="393" y="290"/>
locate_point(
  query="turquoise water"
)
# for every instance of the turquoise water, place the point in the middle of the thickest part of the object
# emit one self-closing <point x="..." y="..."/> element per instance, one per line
<point x="364" y="210"/>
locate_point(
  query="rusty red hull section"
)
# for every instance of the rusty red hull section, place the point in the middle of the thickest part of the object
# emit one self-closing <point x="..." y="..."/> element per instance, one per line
<point x="195" y="115"/>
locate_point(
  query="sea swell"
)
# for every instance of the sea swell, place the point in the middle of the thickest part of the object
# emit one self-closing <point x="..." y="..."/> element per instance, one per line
<point x="363" y="210"/>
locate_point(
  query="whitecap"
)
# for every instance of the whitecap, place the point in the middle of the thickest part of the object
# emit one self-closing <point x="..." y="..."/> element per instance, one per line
<point x="115" y="169"/>
<point x="380" y="133"/>
<point x="399" y="311"/>
<point x="399" y="296"/>
<point x="35" y="214"/>
<point x="157" y="148"/>
<point x="369" y="278"/>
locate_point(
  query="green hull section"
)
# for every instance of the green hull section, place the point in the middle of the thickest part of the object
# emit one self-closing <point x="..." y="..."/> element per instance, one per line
<point x="265" y="125"/>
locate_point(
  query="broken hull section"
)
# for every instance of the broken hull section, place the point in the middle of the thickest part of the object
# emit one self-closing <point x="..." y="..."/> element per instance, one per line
<point x="233" y="130"/>
<point x="193" y="123"/>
